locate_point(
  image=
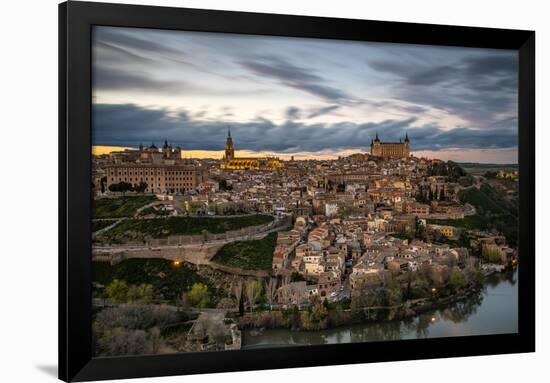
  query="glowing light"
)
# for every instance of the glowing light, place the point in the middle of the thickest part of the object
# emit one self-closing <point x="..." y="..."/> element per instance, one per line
<point x="176" y="263"/>
<point x="433" y="319"/>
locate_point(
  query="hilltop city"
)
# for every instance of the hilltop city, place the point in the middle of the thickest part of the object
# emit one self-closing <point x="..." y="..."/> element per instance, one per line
<point x="252" y="242"/>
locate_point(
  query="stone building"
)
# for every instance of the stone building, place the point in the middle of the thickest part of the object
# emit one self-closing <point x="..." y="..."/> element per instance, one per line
<point x="162" y="169"/>
<point x="159" y="178"/>
<point x="399" y="149"/>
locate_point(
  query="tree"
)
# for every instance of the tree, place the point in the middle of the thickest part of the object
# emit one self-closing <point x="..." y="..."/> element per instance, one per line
<point x="326" y="304"/>
<point x="292" y="315"/>
<point x="474" y="276"/>
<point x="285" y="280"/>
<point x="456" y="280"/>
<point x="364" y="297"/>
<point x="223" y="185"/>
<point x="140" y="293"/>
<point x="183" y="301"/>
<point x="199" y="295"/>
<point x="237" y="290"/>
<point x="437" y="236"/>
<point x="121" y="187"/>
<point x="218" y="209"/>
<point x="141" y="187"/>
<point x="420" y="229"/>
<point x="103" y="181"/>
<point x="296" y="277"/>
<point x="205" y="235"/>
<point x="117" y="291"/>
<point x="421" y="196"/>
<point x="271" y="291"/>
<point x="252" y="290"/>
<point x="421" y="287"/>
<point x="317" y="311"/>
<point x="155" y="338"/>
<point x="392" y="291"/>
<point x="411" y="276"/>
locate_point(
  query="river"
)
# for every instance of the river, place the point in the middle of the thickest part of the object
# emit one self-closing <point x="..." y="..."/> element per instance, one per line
<point x="493" y="311"/>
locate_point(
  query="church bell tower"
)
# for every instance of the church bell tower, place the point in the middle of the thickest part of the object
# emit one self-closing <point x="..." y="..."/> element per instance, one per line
<point x="229" y="151"/>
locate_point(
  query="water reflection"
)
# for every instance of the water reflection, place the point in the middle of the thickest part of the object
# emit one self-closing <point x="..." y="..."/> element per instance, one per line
<point x="492" y="311"/>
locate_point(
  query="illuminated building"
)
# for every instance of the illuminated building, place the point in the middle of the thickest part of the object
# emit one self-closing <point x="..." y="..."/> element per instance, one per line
<point x="246" y="163"/>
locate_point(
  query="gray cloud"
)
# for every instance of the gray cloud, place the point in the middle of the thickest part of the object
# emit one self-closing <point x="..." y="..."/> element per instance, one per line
<point x="114" y="54"/>
<point x="292" y="113"/>
<point x="107" y="78"/>
<point x="122" y="38"/>
<point x="295" y="77"/>
<point x="130" y="125"/>
<point x="133" y="79"/>
<point x="480" y="89"/>
<point x="324" y="110"/>
<point x="492" y="65"/>
<point x="431" y="76"/>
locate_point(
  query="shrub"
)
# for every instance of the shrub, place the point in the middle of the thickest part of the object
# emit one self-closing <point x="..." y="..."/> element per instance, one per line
<point x="124" y="342"/>
<point x="199" y="296"/>
<point x="491" y="254"/>
<point x="457" y="280"/>
<point x="117" y="290"/>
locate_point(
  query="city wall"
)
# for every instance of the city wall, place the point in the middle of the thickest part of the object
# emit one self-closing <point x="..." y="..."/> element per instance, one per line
<point x="179" y="240"/>
<point x="198" y="255"/>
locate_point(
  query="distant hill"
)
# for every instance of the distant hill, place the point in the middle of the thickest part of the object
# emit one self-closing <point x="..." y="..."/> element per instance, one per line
<point x="487" y="166"/>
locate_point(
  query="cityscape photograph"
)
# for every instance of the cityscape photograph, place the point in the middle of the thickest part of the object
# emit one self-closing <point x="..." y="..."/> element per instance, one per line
<point x="255" y="192"/>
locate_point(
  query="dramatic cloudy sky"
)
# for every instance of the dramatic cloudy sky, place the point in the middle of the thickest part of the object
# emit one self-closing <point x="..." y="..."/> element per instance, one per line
<point x="307" y="97"/>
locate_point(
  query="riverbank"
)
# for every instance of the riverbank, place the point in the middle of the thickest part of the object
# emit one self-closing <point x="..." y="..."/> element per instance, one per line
<point x="491" y="310"/>
<point x="295" y="319"/>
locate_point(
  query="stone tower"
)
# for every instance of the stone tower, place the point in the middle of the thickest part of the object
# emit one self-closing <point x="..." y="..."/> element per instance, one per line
<point x="375" y="147"/>
<point x="229" y="151"/>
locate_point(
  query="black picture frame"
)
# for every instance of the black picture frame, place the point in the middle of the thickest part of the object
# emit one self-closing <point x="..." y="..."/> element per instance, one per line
<point x="75" y="296"/>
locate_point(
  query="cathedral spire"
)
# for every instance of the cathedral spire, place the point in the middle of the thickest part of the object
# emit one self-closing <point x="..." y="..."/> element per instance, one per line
<point x="407" y="137"/>
<point x="229" y="151"/>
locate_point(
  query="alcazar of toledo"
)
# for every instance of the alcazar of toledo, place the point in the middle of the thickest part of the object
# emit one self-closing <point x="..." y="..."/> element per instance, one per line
<point x="399" y="149"/>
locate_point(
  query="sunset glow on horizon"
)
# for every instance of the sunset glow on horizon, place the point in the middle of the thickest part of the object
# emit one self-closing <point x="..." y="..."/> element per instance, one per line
<point x="493" y="156"/>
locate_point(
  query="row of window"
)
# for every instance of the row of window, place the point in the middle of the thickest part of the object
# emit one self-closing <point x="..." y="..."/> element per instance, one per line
<point x="130" y="179"/>
<point x="113" y="172"/>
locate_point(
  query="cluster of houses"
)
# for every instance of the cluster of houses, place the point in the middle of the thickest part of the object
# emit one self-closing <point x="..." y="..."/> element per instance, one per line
<point x="351" y="253"/>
